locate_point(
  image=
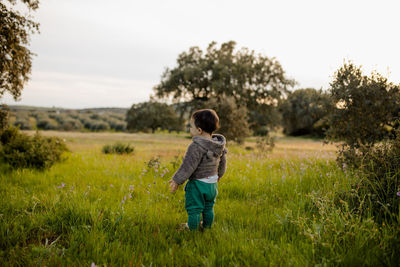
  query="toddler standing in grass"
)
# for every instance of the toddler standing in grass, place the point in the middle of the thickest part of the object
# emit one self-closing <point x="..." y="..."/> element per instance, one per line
<point x="203" y="164"/>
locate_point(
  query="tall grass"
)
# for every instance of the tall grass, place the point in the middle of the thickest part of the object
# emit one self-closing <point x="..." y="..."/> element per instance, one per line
<point x="116" y="210"/>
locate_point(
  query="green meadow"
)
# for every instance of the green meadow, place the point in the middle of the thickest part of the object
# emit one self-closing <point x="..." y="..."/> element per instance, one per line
<point x="276" y="208"/>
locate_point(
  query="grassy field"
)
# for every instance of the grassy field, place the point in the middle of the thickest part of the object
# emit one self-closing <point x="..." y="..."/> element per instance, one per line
<point x="273" y="209"/>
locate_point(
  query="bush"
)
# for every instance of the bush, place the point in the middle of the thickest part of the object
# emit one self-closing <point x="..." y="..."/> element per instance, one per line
<point x="95" y="125"/>
<point x="121" y="117"/>
<point x="59" y="117"/>
<point x="152" y="115"/>
<point x="366" y="107"/>
<point x="378" y="189"/>
<point x="365" y="118"/>
<point x="70" y="124"/>
<point x="116" y="124"/>
<point x="47" y="124"/>
<point x="23" y="123"/>
<point x="22" y="151"/>
<point x="118" y="148"/>
<point x="4" y="117"/>
<point x="96" y="117"/>
<point x="304" y="112"/>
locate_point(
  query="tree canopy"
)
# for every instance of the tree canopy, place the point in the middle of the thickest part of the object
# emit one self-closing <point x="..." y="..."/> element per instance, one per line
<point x="366" y="107"/>
<point x="305" y="112"/>
<point x="152" y="115"/>
<point x="15" y="57"/>
<point x="252" y="80"/>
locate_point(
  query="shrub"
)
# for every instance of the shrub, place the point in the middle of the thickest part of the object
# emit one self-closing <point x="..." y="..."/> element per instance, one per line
<point x="366" y="107"/>
<point x="118" y="148"/>
<point x="66" y="122"/>
<point x="59" y="117"/>
<point x="47" y="124"/>
<point x="70" y="124"/>
<point x="96" y="117"/>
<point x="82" y="118"/>
<point x="95" y="125"/>
<point x="121" y="117"/>
<point x="22" y="151"/>
<point x="152" y="115"/>
<point x="23" y="123"/>
<point x="365" y="117"/>
<point x="378" y="188"/>
<point x="116" y="124"/>
<point x="4" y="117"/>
<point x="303" y="112"/>
<point x="74" y="115"/>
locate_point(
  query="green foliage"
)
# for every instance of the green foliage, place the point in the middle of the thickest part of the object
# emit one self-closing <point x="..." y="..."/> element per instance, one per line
<point x="263" y="118"/>
<point x="116" y="123"/>
<point x="70" y="124"/>
<point x="64" y="122"/>
<point x="366" y="107"/>
<point x="105" y="119"/>
<point x="255" y="81"/>
<point x="22" y="151"/>
<point x="233" y="118"/>
<point x="15" y="57"/>
<point x="4" y="117"/>
<point x="22" y="121"/>
<point x="100" y="122"/>
<point x="96" y="125"/>
<point x="47" y="124"/>
<point x="117" y="116"/>
<point x="152" y="115"/>
<point x="118" y="148"/>
<point x="305" y="111"/>
<point x="378" y="190"/>
<point x="365" y="114"/>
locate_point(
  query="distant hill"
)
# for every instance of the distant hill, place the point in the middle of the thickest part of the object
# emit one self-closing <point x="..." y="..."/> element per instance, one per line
<point x="93" y="110"/>
<point x="88" y="119"/>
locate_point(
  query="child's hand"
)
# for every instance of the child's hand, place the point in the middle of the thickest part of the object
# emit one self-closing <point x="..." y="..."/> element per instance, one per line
<point x="173" y="185"/>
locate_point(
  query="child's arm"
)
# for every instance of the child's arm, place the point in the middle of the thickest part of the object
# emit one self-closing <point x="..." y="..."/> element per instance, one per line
<point x="189" y="164"/>
<point x="222" y="164"/>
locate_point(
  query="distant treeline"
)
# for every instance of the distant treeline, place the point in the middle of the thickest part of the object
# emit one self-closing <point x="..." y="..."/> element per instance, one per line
<point x="98" y="119"/>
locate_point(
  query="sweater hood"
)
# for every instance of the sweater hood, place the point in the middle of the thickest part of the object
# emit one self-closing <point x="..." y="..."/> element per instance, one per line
<point x="214" y="147"/>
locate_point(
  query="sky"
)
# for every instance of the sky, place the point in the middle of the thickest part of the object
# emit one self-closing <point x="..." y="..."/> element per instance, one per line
<point x="97" y="53"/>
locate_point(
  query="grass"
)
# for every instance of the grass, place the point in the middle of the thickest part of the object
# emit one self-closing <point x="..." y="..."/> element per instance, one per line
<point x="274" y="209"/>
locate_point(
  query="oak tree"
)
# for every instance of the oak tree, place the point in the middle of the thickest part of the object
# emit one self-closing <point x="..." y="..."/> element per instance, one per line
<point x="152" y="115"/>
<point x="253" y="80"/>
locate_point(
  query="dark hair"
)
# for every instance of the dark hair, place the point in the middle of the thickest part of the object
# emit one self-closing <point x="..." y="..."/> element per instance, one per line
<point x="206" y="119"/>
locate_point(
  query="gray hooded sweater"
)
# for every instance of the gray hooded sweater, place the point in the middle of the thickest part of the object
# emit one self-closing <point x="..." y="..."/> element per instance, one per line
<point x="204" y="157"/>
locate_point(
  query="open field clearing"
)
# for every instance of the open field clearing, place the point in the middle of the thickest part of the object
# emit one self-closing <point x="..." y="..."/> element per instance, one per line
<point x="151" y="145"/>
<point x="278" y="209"/>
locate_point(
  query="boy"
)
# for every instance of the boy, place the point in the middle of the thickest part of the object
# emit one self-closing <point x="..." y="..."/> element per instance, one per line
<point x="203" y="164"/>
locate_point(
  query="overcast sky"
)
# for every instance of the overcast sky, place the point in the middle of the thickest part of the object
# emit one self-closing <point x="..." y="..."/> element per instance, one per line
<point x="97" y="53"/>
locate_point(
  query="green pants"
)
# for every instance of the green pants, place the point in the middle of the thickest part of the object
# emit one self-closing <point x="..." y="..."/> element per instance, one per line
<point x="200" y="199"/>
